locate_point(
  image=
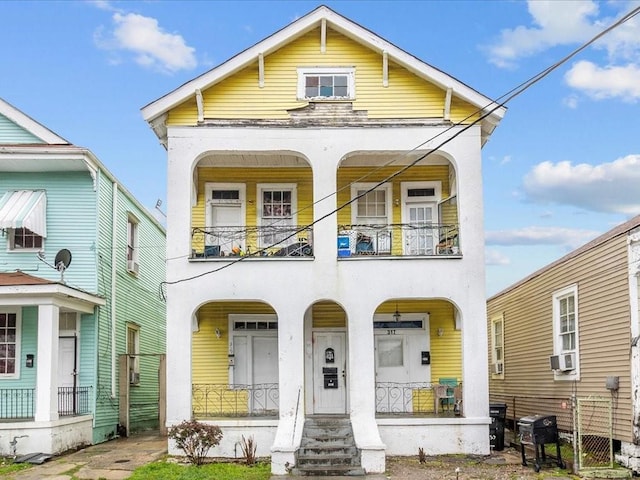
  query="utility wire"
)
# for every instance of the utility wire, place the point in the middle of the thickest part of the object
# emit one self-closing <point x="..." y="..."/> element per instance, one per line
<point x="488" y="110"/>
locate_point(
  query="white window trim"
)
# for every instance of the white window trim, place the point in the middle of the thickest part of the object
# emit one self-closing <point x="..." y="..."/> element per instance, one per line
<point x="435" y="199"/>
<point x="134" y="356"/>
<point x="278" y="186"/>
<point x="303" y="72"/>
<point x="210" y="187"/>
<point x="11" y="243"/>
<point x="494" y="359"/>
<point x="135" y="256"/>
<point x="387" y="187"/>
<point x="557" y="344"/>
<point x="18" y="312"/>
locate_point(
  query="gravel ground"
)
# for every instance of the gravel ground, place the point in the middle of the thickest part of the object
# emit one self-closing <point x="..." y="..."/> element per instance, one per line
<point x="505" y="465"/>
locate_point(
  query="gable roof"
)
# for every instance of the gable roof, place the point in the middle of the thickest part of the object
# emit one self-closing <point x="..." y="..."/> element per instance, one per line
<point x="29" y="124"/>
<point x="621" y="229"/>
<point x="154" y="111"/>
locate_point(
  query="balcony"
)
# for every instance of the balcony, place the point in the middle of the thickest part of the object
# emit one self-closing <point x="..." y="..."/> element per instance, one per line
<point x="274" y="241"/>
<point x="407" y="240"/>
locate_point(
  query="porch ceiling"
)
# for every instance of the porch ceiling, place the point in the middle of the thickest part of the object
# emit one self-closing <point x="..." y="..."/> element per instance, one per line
<point x="398" y="157"/>
<point x="253" y="160"/>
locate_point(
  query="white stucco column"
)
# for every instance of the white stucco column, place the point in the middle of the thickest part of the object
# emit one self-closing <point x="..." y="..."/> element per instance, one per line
<point x="47" y="364"/>
<point x="291" y="388"/>
<point x="362" y="404"/>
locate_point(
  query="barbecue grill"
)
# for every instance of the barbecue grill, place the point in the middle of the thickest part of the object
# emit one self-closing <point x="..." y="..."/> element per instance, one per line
<point x="537" y="430"/>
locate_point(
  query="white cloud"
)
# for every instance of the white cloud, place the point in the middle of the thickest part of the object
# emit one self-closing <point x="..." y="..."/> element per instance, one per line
<point x="151" y="45"/>
<point x="608" y="82"/>
<point x="493" y="257"/>
<point x="607" y="187"/>
<point x="571" y="101"/>
<point x="569" y="237"/>
<point x="555" y="22"/>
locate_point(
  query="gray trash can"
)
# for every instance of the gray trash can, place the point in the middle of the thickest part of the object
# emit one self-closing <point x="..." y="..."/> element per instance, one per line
<point x="498" y="414"/>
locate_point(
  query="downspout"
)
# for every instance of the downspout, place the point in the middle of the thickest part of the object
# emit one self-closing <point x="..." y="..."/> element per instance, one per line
<point x="114" y="215"/>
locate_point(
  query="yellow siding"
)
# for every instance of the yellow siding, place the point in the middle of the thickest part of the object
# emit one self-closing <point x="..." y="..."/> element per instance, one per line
<point x="446" y="351"/>
<point x="209" y="353"/>
<point x="603" y="326"/>
<point x="328" y="314"/>
<point x="302" y="177"/>
<point x="240" y="97"/>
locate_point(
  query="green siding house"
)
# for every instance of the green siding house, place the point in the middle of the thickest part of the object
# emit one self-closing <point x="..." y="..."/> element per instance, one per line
<point x="82" y="323"/>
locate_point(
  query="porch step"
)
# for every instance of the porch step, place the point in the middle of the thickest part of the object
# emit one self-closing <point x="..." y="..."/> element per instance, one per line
<point x="328" y="449"/>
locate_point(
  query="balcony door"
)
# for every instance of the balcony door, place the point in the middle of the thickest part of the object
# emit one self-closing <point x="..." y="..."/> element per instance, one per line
<point x="420" y="216"/>
<point x="225" y="218"/>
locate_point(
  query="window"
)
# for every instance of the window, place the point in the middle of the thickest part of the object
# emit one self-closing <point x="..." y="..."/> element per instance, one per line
<point x="277" y="217"/>
<point x="565" y="328"/>
<point x="371" y="208"/>
<point x="132" y="244"/>
<point x="9" y="345"/>
<point x="23" y="238"/>
<point x="497" y="345"/>
<point x="326" y="84"/>
<point x="133" y="349"/>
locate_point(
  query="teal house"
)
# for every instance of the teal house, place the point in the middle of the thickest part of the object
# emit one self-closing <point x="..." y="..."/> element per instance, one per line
<point x="82" y="321"/>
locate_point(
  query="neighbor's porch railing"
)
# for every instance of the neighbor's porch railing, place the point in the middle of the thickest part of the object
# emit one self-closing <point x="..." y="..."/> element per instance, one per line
<point x="74" y="401"/>
<point x="265" y="241"/>
<point x="19" y="403"/>
<point x="221" y="400"/>
<point x="401" y="239"/>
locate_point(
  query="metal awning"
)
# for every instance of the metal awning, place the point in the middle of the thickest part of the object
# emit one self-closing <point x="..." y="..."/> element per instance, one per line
<point x="24" y="209"/>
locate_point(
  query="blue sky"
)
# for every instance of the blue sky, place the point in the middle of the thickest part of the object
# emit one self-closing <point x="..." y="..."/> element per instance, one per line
<point x="562" y="167"/>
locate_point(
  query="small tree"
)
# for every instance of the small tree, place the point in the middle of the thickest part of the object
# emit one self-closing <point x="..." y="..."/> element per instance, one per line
<point x="249" y="447"/>
<point x="195" y="439"/>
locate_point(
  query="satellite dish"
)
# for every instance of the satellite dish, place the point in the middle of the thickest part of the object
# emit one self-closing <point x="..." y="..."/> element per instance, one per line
<point x="62" y="261"/>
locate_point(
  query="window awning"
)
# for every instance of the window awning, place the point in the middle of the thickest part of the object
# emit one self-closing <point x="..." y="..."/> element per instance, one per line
<point x="24" y="209"/>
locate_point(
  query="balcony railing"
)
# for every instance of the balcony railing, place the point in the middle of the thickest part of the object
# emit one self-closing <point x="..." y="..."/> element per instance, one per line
<point x="265" y="241"/>
<point x="16" y="403"/>
<point x="221" y="400"/>
<point x="402" y="239"/>
<point x="19" y="403"/>
<point x="74" y="401"/>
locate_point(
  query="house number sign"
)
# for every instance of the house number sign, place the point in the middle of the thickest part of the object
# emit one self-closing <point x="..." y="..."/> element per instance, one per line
<point x="329" y="356"/>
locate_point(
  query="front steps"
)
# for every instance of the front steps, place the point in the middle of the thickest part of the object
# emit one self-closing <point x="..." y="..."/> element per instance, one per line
<point x="328" y="448"/>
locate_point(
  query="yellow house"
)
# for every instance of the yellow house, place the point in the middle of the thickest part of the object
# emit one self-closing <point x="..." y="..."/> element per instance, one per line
<point x="325" y="250"/>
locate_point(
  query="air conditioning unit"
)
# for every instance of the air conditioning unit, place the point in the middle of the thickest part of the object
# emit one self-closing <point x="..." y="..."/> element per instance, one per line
<point x="563" y="363"/>
<point x="498" y="368"/>
<point x="132" y="266"/>
<point x="134" y="378"/>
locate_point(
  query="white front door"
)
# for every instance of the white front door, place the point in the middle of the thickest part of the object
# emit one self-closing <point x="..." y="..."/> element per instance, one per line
<point x="256" y="368"/>
<point x="66" y="361"/>
<point x="329" y="373"/>
<point x="227" y="220"/>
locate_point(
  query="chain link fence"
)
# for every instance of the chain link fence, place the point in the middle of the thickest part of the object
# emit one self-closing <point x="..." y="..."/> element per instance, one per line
<point x="595" y="433"/>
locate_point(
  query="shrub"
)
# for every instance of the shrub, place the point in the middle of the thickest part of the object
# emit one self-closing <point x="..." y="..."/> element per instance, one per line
<point x="195" y="439"/>
<point x="249" y="447"/>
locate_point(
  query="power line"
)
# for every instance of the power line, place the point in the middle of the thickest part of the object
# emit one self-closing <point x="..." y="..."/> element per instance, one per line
<point x="484" y="112"/>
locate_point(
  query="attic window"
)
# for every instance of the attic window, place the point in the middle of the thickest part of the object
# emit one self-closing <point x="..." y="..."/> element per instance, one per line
<point x="326" y="84"/>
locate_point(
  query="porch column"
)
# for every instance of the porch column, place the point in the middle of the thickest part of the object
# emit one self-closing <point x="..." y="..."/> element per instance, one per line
<point x="47" y="364"/>
<point x="362" y="389"/>
<point x="291" y="389"/>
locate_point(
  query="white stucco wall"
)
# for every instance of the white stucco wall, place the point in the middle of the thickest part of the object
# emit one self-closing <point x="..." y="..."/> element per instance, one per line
<point x="359" y="286"/>
<point x="47" y="437"/>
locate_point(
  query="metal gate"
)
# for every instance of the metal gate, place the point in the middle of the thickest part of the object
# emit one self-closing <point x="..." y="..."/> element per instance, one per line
<point x="594" y="422"/>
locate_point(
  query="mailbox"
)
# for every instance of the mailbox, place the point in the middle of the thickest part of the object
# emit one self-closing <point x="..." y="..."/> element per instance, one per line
<point x="330" y="377"/>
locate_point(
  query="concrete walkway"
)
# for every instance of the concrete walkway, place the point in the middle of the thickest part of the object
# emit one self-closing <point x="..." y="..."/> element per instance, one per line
<point x="113" y="460"/>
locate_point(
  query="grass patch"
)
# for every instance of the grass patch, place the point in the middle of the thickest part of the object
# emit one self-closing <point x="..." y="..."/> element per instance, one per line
<point x="219" y="471"/>
<point x="7" y="466"/>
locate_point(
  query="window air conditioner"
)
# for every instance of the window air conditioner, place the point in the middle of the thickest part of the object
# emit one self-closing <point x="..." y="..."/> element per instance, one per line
<point x="134" y="377"/>
<point x="132" y="266"/>
<point x="563" y="362"/>
<point x="498" y="368"/>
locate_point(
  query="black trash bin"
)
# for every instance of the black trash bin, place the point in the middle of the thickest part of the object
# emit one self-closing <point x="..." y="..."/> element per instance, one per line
<point x="498" y="414"/>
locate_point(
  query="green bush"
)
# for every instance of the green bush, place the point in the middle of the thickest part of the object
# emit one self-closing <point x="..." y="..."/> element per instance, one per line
<point x="195" y="439"/>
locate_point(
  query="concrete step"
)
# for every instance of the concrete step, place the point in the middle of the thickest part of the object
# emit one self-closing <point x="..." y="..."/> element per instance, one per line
<point x="337" y="470"/>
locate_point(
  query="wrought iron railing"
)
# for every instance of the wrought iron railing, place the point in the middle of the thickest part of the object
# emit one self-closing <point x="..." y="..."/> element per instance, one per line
<point x="265" y="241"/>
<point x="16" y="403"/>
<point x="74" y="401"/>
<point x="402" y="239"/>
<point x="221" y="400"/>
<point x="398" y="398"/>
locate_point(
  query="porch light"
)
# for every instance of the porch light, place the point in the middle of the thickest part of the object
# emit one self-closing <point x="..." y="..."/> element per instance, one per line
<point x="397" y="316"/>
<point x="218" y="333"/>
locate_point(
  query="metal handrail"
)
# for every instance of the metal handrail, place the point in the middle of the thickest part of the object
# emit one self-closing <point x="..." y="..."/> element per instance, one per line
<point x="235" y="400"/>
<point x="16" y="403"/>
